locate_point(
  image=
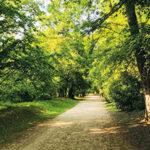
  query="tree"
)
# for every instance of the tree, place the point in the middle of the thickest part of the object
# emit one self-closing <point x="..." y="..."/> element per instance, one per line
<point x="26" y="71"/>
<point x="141" y="55"/>
<point x="141" y="52"/>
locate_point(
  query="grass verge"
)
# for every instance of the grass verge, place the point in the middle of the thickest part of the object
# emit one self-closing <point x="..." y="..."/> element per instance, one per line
<point x="17" y="117"/>
<point x="111" y="107"/>
<point x="124" y="117"/>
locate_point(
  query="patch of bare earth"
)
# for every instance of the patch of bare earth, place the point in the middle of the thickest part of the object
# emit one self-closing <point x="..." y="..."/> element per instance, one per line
<point x="87" y="126"/>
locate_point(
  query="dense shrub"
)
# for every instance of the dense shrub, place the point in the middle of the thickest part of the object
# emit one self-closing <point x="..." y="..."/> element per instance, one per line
<point x="126" y="93"/>
<point x="17" y="91"/>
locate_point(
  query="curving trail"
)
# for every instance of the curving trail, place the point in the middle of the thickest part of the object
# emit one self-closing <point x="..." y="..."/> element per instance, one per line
<point x="87" y="126"/>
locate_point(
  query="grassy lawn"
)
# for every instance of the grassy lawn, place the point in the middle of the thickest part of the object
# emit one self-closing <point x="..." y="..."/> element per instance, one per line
<point x="17" y="117"/>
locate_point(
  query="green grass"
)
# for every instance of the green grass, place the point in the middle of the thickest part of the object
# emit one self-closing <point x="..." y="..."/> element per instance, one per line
<point x="111" y="107"/>
<point x="17" y="117"/>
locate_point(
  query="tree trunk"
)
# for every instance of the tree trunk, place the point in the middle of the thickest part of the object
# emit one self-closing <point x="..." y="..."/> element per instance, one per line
<point x="71" y="93"/>
<point x="140" y="55"/>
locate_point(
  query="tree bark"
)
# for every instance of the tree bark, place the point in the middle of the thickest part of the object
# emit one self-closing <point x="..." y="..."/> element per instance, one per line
<point x="140" y="55"/>
<point x="71" y="93"/>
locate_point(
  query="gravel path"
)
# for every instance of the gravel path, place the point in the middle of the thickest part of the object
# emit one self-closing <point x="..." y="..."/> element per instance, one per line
<point x="87" y="126"/>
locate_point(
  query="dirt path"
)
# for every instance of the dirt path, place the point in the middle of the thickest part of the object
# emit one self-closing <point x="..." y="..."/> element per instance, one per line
<point x="87" y="126"/>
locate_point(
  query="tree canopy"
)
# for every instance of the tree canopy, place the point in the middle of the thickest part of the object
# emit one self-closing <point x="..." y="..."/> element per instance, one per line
<point x="70" y="48"/>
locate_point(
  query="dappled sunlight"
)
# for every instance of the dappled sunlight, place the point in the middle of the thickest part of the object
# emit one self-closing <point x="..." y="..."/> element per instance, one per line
<point x="92" y="97"/>
<point x="74" y="75"/>
<point x="118" y="129"/>
<point x="90" y="125"/>
<point x="109" y="130"/>
<point x="55" y="124"/>
<point x="61" y="124"/>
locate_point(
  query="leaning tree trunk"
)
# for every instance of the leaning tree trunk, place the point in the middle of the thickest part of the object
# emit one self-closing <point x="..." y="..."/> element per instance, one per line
<point x="140" y="55"/>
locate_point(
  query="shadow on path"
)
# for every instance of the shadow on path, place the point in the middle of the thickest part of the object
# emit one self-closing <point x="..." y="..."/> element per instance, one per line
<point x="87" y="126"/>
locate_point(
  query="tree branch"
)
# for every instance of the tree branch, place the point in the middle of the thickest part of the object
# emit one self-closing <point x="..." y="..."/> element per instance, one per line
<point x="96" y="24"/>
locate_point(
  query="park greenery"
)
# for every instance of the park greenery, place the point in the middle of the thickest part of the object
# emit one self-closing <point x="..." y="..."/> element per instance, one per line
<point x="69" y="48"/>
<point x="18" y="117"/>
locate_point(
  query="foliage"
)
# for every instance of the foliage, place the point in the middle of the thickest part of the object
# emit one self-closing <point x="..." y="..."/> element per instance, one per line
<point x="68" y="48"/>
<point x="126" y="93"/>
<point x="25" y="70"/>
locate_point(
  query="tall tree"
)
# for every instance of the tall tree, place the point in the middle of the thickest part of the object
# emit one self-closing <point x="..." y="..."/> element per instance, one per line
<point x="141" y="54"/>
